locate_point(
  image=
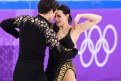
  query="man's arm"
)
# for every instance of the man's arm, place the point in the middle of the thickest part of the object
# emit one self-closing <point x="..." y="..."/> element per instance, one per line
<point x="62" y="53"/>
<point x="59" y="51"/>
<point x="10" y="25"/>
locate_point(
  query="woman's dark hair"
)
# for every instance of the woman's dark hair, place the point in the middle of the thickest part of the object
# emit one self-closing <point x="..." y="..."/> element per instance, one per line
<point x="66" y="10"/>
<point x="44" y="6"/>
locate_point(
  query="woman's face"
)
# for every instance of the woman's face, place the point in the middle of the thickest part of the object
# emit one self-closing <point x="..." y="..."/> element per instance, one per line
<point x="60" y="18"/>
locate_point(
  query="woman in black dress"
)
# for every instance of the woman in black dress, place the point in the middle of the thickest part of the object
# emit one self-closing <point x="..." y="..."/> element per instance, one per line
<point x="60" y="69"/>
<point x="34" y="35"/>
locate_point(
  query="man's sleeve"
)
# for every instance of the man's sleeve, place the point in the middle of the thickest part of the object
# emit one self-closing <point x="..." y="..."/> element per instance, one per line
<point x="58" y="50"/>
<point x="9" y="25"/>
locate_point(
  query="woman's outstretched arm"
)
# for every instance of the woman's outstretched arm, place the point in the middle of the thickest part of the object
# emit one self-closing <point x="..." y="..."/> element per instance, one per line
<point x="78" y="28"/>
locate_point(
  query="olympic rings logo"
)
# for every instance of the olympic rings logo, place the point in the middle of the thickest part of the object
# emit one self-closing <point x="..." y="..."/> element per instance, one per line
<point x="101" y="42"/>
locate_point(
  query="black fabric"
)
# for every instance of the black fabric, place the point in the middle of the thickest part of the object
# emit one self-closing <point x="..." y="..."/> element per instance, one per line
<point x="67" y="41"/>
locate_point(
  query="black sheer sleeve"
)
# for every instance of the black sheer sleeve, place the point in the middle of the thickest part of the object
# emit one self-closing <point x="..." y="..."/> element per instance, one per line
<point x="59" y="51"/>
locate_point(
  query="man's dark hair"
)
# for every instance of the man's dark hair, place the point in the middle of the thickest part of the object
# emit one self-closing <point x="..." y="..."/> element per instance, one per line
<point x="45" y="6"/>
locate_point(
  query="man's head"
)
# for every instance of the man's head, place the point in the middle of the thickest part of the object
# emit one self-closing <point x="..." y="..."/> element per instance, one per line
<point x="48" y="7"/>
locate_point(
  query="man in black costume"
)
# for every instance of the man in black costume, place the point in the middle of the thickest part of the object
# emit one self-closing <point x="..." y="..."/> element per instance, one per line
<point x="34" y="36"/>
